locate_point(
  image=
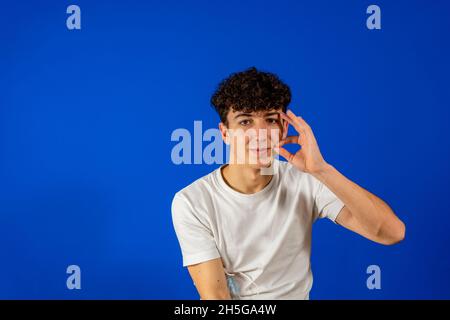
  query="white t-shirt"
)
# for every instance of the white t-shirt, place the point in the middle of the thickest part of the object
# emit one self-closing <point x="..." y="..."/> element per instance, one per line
<point x="264" y="238"/>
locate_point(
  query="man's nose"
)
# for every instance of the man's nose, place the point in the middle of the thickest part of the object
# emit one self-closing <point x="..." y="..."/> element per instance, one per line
<point x="260" y="135"/>
<point x="261" y="124"/>
<point x="264" y="134"/>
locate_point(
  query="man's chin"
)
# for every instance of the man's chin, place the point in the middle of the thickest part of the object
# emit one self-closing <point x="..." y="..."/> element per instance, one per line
<point x="255" y="161"/>
<point x="261" y="163"/>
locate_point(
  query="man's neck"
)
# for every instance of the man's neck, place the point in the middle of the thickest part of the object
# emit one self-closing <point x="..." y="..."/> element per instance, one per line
<point x="245" y="179"/>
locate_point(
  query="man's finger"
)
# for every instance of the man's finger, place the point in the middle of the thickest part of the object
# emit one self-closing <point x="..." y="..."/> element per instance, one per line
<point x="289" y="139"/>
<point x="304" y="123"/>
<point x="293" y="116"/>
<point x="283" y="152"/>
<point x="290" y="113"/>
<point x="298" y="119"/>
<point x="295" y="123"/>
<point x="290" y="118"/>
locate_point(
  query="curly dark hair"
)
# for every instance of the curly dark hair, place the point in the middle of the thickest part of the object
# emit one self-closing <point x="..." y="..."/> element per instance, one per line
<point x="250" y="90"/>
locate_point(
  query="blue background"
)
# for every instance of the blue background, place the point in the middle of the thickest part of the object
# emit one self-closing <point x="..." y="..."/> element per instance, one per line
<point x="86" y="117"/>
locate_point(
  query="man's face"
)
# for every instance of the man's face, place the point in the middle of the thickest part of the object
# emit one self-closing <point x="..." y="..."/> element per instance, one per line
<point x="252" y="136"/>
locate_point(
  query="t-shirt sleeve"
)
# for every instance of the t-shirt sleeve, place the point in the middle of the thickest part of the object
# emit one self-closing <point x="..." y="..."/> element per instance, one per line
<point x="194" y="235"/>
<point x="326" y="203"/>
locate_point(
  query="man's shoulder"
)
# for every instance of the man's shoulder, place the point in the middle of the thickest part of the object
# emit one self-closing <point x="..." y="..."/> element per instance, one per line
<point x="202" y="188"/>
<point x="293" y="176"/>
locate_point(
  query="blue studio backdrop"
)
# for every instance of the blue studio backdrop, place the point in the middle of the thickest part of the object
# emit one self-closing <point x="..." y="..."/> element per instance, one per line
<point x="86" y="118"/>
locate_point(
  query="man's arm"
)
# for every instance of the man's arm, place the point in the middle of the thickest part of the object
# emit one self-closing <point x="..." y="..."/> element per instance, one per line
<point x="209" y="279"/>
<point x="363" y="213"/>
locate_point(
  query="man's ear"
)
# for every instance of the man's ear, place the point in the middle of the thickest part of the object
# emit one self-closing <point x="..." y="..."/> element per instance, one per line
<point x="224" y="131"/>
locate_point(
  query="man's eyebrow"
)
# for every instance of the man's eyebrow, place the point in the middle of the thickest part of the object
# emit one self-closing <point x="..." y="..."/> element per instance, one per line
<point x="249" y="114"/>
<point x="243" y="115"/>
<point x="272" y="114"/>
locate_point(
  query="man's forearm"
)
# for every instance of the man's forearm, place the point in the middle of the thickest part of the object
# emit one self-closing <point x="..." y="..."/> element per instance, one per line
<point x="370" y="211"/>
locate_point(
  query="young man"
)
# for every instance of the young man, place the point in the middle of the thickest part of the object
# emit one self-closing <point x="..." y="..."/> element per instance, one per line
<point x="246" y="234"/>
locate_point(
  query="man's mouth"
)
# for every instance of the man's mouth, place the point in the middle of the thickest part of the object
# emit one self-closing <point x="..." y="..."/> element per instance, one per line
<point x="260" y="149"/>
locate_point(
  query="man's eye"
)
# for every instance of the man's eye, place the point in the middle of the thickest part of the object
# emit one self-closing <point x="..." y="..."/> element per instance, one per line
<point x="273" y="121"/>
<point x="244" y="122"/>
